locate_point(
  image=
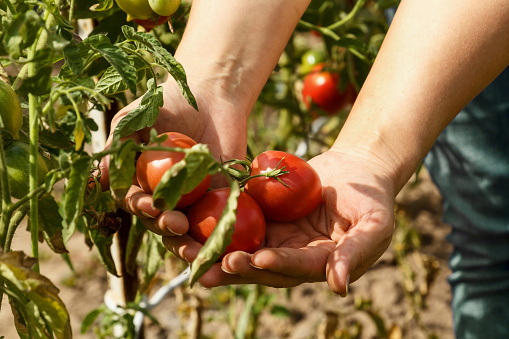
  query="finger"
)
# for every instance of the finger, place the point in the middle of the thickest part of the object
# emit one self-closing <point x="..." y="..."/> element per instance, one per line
<point x="139" y="203"/>
<point x="168" y="223"/>
<point x="239" y="269"/>
<point x="355" y="253"/>
<point x="307" y="263"/>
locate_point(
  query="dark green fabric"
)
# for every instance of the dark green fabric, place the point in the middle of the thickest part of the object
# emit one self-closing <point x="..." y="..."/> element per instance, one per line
<point x="469" y="163"/>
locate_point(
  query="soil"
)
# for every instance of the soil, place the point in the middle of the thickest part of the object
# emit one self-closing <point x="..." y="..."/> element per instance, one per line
<point x="396" y="298"/>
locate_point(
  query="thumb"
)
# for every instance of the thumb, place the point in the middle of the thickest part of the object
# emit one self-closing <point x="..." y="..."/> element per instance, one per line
<point x="356" y="252"/>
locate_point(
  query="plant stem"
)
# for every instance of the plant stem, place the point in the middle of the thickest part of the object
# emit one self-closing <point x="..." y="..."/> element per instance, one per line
<point x="358" y="5"/>
<point x="13" y="225"/>
<point x="6" y="197"/>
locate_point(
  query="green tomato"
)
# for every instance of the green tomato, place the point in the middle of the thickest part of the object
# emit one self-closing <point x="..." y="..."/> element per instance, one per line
<point x="17" y="161"/>
<point x="136" y="9"/>
<point x="11" y="116"/>
<point x="310" y="59"/>
<point x="164" y="7"/>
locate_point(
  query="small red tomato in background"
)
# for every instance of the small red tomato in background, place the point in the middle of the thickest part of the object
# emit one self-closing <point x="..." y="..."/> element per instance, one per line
<point x="277" y="201"/>
<point x="249" y="230"/>
<point x="149" y="24"/>
<point x="152" y="165"/>
<point x="322" y="88"/>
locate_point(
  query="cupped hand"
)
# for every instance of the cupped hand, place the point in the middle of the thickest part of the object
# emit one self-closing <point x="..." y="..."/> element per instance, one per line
<point x="211" y="125"/>
<point x="337" y="242"/>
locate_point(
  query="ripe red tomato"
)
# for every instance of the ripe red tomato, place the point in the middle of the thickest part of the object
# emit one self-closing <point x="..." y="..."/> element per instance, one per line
<point x="152" y="165"/>
<point x="277" y="201"/>
<point x="321" y="88"/>
<point x="249" y="232"/>
<point x="150" y="23"/>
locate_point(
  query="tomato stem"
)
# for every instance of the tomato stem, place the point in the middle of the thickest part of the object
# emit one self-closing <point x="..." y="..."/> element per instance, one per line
<point x="275" y="173"/>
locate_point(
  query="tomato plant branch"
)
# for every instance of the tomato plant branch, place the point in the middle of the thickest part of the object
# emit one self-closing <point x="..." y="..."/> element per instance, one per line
<point x="149" y="66"/>
<point x="358" y="5"/>
<point x="13" y="225"/>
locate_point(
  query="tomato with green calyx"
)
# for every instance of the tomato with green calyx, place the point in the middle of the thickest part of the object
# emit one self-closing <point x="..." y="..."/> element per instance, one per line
<point x="17" y="161"/>
<point x="249" y="229"/>
<point x="149" y="24"/>
<point x="311" y="59"/>
<point x="152" y="165"/>
<point x="289" y="196"/>
<point x="11" y="115"/>
<point x="136" y="9"/>
<point x="164" y="7"/>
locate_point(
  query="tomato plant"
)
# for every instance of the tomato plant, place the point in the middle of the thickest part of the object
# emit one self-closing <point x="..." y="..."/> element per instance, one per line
<point x="152" y="165"/>
<point x="286" y="197"/>
<point x="249" y="230"/>
<point x="11" y="117"/>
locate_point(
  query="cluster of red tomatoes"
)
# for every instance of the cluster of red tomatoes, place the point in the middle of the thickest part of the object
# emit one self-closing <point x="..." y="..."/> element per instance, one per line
<point x="281" y="187"/>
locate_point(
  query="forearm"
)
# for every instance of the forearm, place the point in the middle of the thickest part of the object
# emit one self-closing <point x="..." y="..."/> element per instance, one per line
<point x="437" y="56"/>
<point x="233" y="45"/>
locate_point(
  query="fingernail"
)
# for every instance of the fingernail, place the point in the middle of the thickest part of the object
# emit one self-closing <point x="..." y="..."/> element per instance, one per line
<point x="226" y="271"/>
<point x="205" y="288"/>
<point x="146" y="215"/>
<point x="173" y="232"/>
<point x="346" y="286"/>
<point x="253" y="265"/>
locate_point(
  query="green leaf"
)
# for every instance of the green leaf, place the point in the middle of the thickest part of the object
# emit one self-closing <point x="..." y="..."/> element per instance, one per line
<point x="50" y="223"/>
<point x="103" y="246"/>
<point x="142" y="116"/>
<point x="73" y="58"/>
<point x="163" y="58"/>
<point x="34" y="297"/>
<point x="39" y="84"/>
<point x="122" y="169"/>
<point x="75" y="189"/>
<point x="118" y="59"/>
<point x="22" y="33"/>
<point x="57" y="139"/>
<point x="184" y="176"/>
<point x="154" y="254"/>
<point x="134" y="242"/>
<point x="220" y="238"/>
<point x="111" y="81"/>
<point x="89" y="319"/>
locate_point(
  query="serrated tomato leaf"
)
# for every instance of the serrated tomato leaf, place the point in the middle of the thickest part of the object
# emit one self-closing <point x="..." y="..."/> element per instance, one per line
<point x="75" y="189"/>
<point x="122" y="169"/>
<point x="142" y="116"/>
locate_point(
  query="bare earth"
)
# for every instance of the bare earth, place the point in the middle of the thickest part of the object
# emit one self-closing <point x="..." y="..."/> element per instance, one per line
<point x="311" y="310"/>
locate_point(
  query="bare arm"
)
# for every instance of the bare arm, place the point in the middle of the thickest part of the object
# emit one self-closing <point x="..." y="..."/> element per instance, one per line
<point x="437" y="56"/>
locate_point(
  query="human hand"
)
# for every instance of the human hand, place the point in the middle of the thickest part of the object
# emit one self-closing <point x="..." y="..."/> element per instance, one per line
<point x="211" y="126"/>
<point x="337" y="242"/>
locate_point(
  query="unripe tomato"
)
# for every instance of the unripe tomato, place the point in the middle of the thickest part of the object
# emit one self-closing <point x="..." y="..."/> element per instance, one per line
<point x="321" y="88"/>
<point x="250" y="227"/>
<point x="149" y="24"/>
<point x="17" y="161"/>
<point x="310" y="59"/>
<point x="298" y="195"/>
<point x="164" y="7"/>
<point x="136" y="9"/>
<point x="11" y="116"/>
<point x="152" y="165"/>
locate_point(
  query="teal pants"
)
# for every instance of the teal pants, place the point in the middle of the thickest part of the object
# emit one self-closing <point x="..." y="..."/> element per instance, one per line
<point x="469" y="163"/>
